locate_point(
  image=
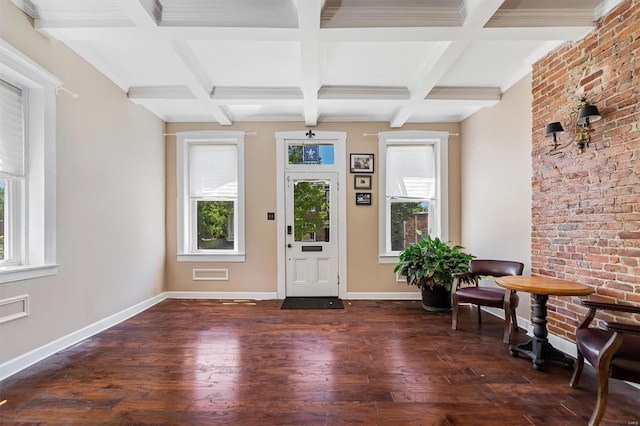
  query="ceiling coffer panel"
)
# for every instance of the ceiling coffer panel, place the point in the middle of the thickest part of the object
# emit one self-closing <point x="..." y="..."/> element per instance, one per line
<point x="398" y="61"/>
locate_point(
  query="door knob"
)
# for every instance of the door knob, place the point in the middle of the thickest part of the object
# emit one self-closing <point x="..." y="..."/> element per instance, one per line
<point x="289" y="245"/>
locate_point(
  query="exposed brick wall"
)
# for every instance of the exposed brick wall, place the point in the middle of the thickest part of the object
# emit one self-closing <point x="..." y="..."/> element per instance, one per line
<point x="586" y="207"/>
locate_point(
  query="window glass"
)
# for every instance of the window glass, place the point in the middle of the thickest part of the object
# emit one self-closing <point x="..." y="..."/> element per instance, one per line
<point x="311" y="210"/>
<point x="305" y="153"/>
<point x="409" y="223"/>
<point x="12" y="168"/>
<point x="215" y="225"/>
<point x="11" y="130"/>
<point x="3" y="185"/>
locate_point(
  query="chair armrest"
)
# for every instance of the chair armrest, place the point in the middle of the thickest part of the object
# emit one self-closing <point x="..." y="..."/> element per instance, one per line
<point x="462" y="274"/>
<point x="623" y="327"/>
<point x="463" y="277"/>
<point x="594" y="303"/>
<point x="597" y="304"/>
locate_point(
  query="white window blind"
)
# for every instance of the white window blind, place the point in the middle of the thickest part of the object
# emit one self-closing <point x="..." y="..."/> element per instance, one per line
<point x="410" y="172"/>
<point x="11" y="130"/>
<point x="213" y="171"/>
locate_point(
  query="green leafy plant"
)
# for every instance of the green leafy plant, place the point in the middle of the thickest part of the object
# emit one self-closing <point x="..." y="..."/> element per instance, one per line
<point x="432" y="262"/>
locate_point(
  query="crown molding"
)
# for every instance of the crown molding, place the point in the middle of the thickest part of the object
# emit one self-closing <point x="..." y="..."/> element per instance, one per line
<point x="363" y="92"/>
<point x="448" y="93"/>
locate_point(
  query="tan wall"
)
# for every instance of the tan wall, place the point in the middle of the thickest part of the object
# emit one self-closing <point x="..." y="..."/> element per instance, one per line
<point x="110" y="200"/>
<point x="258" y="273"/>
<point x="496" y="181"/>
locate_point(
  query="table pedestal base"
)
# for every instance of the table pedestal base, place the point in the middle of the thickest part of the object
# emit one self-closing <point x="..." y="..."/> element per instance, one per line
<point x="541" y="352"/>
<point x="538" y="349"/>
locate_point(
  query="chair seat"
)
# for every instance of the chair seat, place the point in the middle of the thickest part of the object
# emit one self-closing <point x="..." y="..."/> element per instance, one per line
<point x="625" y="361"/>
<point x="486" y="296"/>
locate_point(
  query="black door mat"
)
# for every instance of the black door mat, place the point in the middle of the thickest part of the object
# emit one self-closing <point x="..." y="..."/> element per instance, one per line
<point x="312" y="303"/>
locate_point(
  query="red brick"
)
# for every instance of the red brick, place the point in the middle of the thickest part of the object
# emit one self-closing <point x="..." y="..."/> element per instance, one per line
<point x="586" y="208"/>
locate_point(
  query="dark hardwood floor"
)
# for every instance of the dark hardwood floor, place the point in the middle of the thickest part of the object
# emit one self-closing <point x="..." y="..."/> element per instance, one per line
<point x="375" y="362"/>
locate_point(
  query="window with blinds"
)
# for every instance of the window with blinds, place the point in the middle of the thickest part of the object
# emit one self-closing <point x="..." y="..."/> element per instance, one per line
<point x="27" y="167"/>
<point x="413" y="189"/>
<point x="210" y="171"/>
<point x="11" y="130"/>
<point x="12" y="148"/>
<point x="213" y="188"/>
<point x="410" y="191"/>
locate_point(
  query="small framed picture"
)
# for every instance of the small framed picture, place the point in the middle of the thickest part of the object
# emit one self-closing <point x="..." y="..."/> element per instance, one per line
<point x="363" y="198"/>
<point x="361" y="163"/>
<point x="362" y="182"/>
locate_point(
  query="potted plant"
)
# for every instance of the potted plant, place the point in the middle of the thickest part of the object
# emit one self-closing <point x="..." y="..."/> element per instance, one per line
<point x="430" y="265"/>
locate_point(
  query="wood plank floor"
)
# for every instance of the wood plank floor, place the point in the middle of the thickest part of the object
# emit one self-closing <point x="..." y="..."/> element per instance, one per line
<point x="375" y="362"/>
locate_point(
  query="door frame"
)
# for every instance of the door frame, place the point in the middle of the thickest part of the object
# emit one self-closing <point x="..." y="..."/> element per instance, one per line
<point x="339" y="140"/>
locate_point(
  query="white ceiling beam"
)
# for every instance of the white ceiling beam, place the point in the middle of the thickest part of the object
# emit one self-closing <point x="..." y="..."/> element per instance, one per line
<point x="160" y="92"/>
<point x="337" y="93"/>
<point x="76" y="31"/>
<point x="605" y="7"/>
<point x="309" y="12"/>
<point x="198" y="82"/>
<point x="476" y="14"/>
<point x="124" y="31"/>
<point x="400" y="35"/>
<point x="433" y="70"/>
<point x="142" y="15"/>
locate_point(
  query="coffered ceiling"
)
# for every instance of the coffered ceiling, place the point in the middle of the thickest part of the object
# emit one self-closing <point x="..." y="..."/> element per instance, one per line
<point x="399" y="61"/>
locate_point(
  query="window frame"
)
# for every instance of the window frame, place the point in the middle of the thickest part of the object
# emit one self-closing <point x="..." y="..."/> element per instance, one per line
<point x="33" y="197"/>
<point x="440" y="224"/>
<point x="187" y="250"/>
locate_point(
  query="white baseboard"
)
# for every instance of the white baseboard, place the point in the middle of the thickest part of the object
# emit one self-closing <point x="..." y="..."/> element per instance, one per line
<point x="220" y="295"/>
<point x="356" y="295"/>
<point x="23" y="361"/>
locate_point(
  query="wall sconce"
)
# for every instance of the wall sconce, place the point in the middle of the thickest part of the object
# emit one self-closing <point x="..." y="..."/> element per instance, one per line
<point x="582" y="115"/>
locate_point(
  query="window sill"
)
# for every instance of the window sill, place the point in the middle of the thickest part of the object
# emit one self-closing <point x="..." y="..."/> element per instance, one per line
<point x="388" y="258"/>
<point x="202" y="257"/>
<point x="18" y="273"/>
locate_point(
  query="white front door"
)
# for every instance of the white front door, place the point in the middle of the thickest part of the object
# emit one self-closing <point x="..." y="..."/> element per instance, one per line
<point x="311" y="201"/>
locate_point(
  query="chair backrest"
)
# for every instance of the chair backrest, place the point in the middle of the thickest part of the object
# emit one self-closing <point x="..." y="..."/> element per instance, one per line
<point x="495" y="268"/>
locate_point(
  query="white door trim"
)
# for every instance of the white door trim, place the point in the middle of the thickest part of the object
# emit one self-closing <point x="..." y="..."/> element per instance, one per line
<point x="339" y="139"/>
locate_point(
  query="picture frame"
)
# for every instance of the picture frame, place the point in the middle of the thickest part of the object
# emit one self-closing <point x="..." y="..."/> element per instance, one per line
<point x="362" y="182"/>
<point x="361" y="163"/>
<point x="363" y="198"/>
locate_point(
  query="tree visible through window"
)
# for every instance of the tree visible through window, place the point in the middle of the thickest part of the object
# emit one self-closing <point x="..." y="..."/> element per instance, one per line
<point x="311" y="211"/>
<point x="409" y="223"/>
<point x="215" y="225"/>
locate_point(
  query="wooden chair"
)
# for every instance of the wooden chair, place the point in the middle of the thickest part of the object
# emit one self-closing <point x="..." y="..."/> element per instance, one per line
<point x="487" y="296"/>
<point x="614" y="351"/>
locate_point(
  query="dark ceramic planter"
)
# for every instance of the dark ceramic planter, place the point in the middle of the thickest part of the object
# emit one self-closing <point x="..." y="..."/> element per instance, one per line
<point x="436" y="299"/>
